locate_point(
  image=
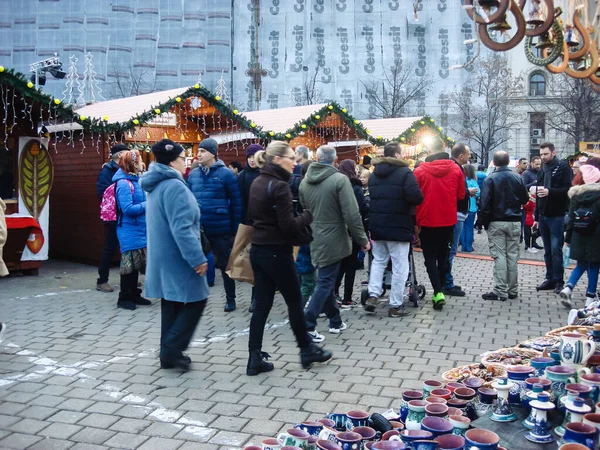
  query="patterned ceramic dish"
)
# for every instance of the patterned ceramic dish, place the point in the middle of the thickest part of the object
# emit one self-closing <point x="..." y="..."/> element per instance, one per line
<point x="510" y="356"/>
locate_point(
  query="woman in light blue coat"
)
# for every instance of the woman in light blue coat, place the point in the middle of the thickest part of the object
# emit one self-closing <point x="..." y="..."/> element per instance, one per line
<point x="176" y="263"/>
<point x="131" y="228"/>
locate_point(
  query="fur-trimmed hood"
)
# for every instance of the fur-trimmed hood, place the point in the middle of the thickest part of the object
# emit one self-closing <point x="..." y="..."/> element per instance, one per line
<point x="385" y="166"/>
<point x="389" y="160"/>
<point x="584" y="188"/>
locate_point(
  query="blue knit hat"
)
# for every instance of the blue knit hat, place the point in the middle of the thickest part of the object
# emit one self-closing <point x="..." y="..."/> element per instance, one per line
<point x="209" y="145"/>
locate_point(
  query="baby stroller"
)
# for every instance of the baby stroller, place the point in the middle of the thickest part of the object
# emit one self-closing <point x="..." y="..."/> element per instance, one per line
<point x="416" y="291"/>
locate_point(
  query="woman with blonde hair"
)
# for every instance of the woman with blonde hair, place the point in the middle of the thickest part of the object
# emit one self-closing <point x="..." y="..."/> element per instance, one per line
<point x="276" y="231"/>
<point x="131" y="228"/>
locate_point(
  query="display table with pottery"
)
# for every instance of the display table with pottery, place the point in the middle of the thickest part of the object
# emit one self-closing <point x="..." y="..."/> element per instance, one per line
<point x="512" y="434"/>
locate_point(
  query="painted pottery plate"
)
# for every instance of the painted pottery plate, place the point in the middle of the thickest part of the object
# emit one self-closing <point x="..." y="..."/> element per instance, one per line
<point x="540" y="343"/>
<point x="570" y="329"/>
<point x="487" y="372"/>
<point x="510" y="356"/>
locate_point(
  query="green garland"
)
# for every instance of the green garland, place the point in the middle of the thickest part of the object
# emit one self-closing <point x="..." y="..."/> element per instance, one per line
<point x="18" y="82"/>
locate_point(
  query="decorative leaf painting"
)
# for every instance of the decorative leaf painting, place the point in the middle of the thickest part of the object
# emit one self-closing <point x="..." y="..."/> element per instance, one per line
<point x="36" y="175"/>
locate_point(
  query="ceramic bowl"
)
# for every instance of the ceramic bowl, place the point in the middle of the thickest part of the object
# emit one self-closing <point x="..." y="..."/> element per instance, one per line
<point x="436" y="425"/>
<point x="450" y="442"/>
<point x="483" y="437"/>
<point x="473" y="383"/>
<point x="440" y="400"/>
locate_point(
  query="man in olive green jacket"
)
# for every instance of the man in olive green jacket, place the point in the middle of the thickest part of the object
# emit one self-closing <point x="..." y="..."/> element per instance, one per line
<point x="328" y="195"/>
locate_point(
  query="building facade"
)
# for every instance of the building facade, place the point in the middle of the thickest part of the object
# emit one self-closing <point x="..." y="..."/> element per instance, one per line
<point x="310" y="51"/>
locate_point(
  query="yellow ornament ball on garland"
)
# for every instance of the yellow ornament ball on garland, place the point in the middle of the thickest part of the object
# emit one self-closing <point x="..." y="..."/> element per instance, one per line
<point x="368" y="131"/>
<point x="330" y="107"/>
<point x="217" y="98"/>
<point x="344" y="110"/>
<point x="196" y="86"/>
<point x="56" y="101"/>
<point x="303" y="126"/>
<point x="317" y="117"/>
<point x="355" y="121"/>
<point x="29" y="84"/>
<point x="82" y="118"/>
<point x="271" y="133"/>
<point x="235" y="111"/>
<point x="379" y="137"/>
<point x="253" y="125"/>
<point x="402" y="138"/>
<point x="288" y="135"/>
<point x="431" y="120"/>
<point x="1" y="69"/>
<point x="178" y="99"/>
<point x="422" y="122"/>
<point x="136" y="122"/>
<point x="105" y="118"/>
<point x="412" y="130"/>
<point x="157" y="111"/>
<point x="449" y="138"/>
<point x="440" y="128"/>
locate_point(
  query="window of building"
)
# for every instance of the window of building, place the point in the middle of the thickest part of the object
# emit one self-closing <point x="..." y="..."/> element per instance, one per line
<point x="537" y="85"/>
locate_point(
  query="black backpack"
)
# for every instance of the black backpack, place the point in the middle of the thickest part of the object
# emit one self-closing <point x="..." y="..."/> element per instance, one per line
<point x="584" y="221"/>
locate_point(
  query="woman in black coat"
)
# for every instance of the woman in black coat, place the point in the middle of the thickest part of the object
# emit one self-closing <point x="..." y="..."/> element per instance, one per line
<point x="276" y="231"/>
<point x="350" y="263"/>
<point x="584" y="244"/>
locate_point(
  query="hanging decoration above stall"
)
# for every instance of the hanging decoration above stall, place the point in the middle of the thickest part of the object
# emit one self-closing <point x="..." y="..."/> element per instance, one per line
<point x="12" y="82"/>
<point x="552" y="30"/>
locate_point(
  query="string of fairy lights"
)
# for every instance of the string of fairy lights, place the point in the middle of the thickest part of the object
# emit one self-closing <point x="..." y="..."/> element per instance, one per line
<point x="332" y="122"/>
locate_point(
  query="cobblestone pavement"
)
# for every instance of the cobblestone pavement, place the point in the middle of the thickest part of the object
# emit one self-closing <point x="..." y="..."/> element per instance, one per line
<point x="76" y="372"/>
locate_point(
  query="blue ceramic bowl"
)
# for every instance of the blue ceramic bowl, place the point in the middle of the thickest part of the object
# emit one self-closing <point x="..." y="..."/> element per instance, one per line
<point x="436" y="426"/>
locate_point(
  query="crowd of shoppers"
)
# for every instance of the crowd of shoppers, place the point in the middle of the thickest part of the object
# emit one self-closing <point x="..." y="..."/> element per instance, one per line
<point x="332" y="213"/>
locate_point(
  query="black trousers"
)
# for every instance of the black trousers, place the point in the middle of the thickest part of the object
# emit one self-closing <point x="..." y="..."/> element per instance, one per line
<point x="348" y="268"/>
<point x="178" y="323"/>
<point x="435" y="243"/>
<point x="274" y="268"/>
<point x="111" y="243"/>
<point x="129" y="290"/>
<point x="528" y="240"/>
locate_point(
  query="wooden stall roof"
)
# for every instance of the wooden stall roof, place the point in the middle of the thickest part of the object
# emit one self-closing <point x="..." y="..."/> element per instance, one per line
<point x="389" y="129"/>
<point x="282" y="119"/>
<point x="123" y="109"/>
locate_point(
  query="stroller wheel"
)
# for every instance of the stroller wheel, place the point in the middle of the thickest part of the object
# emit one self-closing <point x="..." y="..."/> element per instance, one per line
<point x="421" y="291"/>
<point x="364" y="296"/>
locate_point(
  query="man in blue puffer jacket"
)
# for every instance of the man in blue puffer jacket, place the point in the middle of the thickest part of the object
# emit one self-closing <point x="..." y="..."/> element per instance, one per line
<point x="218" y="194"/>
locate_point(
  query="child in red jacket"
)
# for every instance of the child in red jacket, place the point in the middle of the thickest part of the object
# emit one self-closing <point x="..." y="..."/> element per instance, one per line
<point x="529" y="220"/>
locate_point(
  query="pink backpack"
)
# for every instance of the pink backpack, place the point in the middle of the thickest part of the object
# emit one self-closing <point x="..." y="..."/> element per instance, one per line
<point x="108" y="207"/>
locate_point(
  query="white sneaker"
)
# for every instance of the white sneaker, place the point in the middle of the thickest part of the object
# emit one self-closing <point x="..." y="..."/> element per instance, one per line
<point x="342" y="327"/>
<point x="316" y="337"/>
<point x="589" y="300"/>
<point x="566" y="293"/>
<point x="572" y="317"/>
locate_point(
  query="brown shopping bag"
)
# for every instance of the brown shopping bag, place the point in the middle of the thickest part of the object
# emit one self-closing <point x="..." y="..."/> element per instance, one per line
<point x="239" y="267"/>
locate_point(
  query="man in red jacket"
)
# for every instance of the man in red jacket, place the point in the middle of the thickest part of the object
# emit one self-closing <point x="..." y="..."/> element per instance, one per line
<point x="442" y="182"/>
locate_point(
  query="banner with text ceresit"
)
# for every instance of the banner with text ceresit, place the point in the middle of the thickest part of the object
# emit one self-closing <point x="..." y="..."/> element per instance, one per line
<point x="334" y="47"/>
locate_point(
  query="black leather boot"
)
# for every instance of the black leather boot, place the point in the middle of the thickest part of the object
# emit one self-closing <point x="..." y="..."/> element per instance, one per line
<point x="312" y="354"/>
<point x="257" y="363"/>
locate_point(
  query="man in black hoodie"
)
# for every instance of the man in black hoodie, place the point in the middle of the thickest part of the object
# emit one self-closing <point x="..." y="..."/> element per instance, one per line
<point x="554" y="181"/>
<point x="460" y="155"/>
<point x="111" y="242"/>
